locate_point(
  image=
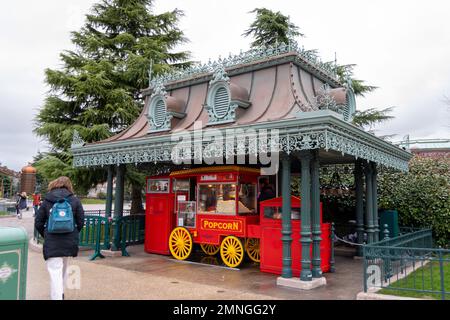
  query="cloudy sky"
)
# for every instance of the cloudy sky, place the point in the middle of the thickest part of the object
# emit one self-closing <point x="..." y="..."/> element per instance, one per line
<point x="403" y="47"/>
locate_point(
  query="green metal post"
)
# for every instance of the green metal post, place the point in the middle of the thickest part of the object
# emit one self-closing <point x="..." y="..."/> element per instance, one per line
<point x="332" y="261"/>
<point x="315" y="217"/>
<point x="109" y="192"/>
<point x="359" y="205"/>
<point x="369" y="204"/>
<point x="97" y="226"/>
<point x="387" y="260"/>
<point x="286" y="226"/>
<point x="124" y="237"/>
<point x="118" y="204"/>
<point x="108" y="208"/>
<point x="375" y="202"/>
<point x="441" y="273"/>
<point x="305" y="232"/>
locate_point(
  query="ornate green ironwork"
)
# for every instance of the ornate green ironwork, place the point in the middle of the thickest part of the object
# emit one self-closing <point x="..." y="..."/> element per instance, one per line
<point x="315" y="217"/>
<point x="307" y="58"/>
<point x="317" y="132"/>
<point x="77" y="142"/>
<point x="369" y="203"/>
<point x="359" y="205"/>
<point x="227" y="113"/>
<point x="305" y="231"/>
<point x="407" y="264"/>
<point x="286" y="225"/>
<point x="118" y="203"/>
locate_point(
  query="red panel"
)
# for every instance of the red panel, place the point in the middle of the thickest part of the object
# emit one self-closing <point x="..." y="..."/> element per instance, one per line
<point x="211" y="228"/>
<point x="254" y="231"/>
<point x="159" y="222"/>
<point x="272" y="250"/>
<point x="271" y="244"/>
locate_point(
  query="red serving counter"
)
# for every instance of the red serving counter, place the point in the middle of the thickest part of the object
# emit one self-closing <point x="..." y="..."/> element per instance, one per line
<point x="271" y="247"/>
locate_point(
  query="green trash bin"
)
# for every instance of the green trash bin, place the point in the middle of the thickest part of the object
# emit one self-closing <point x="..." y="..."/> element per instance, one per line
<point x="389" y="217"/>
<point x="13" y="263"/>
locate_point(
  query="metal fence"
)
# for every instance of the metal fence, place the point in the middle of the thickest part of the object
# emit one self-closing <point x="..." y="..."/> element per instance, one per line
<point x="407" y="265"/>
<point x="101" y="232"/>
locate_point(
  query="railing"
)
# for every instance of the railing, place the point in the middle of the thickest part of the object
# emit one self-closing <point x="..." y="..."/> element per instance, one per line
<point x="100" y="232"/>
<point x="407" y="265"/>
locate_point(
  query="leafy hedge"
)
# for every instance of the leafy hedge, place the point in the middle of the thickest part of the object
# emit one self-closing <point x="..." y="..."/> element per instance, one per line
<point x="421" y="196"/>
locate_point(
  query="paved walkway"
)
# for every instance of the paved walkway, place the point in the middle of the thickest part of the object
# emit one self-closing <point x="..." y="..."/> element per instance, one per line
<point x="145" y="276"/>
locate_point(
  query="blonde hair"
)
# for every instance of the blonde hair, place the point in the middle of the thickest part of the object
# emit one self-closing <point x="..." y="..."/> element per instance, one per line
<point x="61" y="182"/>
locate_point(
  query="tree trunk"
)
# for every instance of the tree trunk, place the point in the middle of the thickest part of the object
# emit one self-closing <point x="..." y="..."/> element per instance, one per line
<point x="136" y="200"/>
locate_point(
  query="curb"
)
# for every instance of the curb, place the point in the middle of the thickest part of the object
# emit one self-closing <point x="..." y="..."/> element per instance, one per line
<point x="377" y="296"/>
<point x="8" y="216"/>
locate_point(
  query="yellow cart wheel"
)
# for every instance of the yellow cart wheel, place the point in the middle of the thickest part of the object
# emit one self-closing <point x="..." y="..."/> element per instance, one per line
<point x="210" y="249"/>
<point x="252" y="249"/>
<point x="232" y="251"/>
<point x="180" y="243"/>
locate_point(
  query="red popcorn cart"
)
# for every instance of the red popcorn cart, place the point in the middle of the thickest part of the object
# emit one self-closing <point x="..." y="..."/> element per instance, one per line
<point x="216" y="207"/>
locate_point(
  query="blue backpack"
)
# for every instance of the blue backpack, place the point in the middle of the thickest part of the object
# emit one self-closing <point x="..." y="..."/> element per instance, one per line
<point x="61" y="217"/>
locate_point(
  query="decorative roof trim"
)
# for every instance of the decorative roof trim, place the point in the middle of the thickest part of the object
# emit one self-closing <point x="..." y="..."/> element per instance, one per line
<point x="77" y="141"/>
<point x="307" y="59"/>
<point x="321" y="130"/>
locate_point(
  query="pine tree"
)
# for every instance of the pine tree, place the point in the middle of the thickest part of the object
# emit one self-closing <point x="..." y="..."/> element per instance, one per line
<point x="97" y="90"/>
<point x="270" y="28"/>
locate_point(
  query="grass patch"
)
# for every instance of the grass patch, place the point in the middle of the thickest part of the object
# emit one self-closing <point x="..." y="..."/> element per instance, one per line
<point x="93" y="201"/>
<point x="4" y="213"/>
<point x="424" y="278"/>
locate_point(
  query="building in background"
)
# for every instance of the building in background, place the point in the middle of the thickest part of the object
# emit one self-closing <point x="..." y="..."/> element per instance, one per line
<point x="433" y="148"/>
<point x="9" y="182"/>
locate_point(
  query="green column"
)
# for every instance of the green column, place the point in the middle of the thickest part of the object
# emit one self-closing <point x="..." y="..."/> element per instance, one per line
<point x="369" y="203"/>
<point x="108" y="208"/>
<point x="375" y="202"/>
<point x="359" y="204"/>
<point x="305" y="232"/>
<point x="315" y="216"/>
<point x="109" y="192"/>
<point x="118" y="204"/>
<point x="286" y="226"/>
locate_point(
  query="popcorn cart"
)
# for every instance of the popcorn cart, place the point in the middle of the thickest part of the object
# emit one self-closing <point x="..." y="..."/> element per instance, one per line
<point x="218" y="211"/>
<point x="216" y="207"/>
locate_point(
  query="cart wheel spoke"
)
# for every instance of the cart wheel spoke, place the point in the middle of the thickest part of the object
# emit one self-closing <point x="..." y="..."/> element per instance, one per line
<point x="231" y="251"/>
<point x="180" y="243"/>
<point x="252" y="249"/>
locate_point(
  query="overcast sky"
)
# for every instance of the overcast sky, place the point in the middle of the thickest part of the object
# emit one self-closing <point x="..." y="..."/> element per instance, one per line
<point x="403" y="47"/>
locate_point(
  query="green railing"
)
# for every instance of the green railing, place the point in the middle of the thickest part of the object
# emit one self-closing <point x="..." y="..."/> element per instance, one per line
<point x="407" y="265"/>
<point x="100" y="232"/>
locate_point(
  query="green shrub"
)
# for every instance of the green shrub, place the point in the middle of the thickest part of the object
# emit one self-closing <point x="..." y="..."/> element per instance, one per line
<point x="421" y="196"/>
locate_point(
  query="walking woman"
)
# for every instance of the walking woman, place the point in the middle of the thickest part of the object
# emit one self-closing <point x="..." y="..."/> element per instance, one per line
<point x="61" y="244"/>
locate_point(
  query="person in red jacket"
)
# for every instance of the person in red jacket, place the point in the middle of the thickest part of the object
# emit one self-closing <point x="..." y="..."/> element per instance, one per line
<point x="36" y="202"/>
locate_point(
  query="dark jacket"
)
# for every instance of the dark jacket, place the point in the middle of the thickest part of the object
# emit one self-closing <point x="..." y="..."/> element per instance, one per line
<point x="64" y="244"/>
<point x="22" y="203"/>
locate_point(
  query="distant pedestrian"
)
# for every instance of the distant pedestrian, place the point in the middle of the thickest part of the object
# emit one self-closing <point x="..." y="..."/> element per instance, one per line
<point x="59" y="244"/>
<point x="36" y="203"/>
<point x="21" y="204"/>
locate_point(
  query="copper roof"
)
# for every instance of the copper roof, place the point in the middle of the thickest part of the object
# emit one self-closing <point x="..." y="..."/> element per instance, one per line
<point x="276" y="92"/>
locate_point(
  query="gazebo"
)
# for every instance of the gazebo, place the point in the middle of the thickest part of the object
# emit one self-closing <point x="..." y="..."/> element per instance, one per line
<point x="255" y="108"/>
